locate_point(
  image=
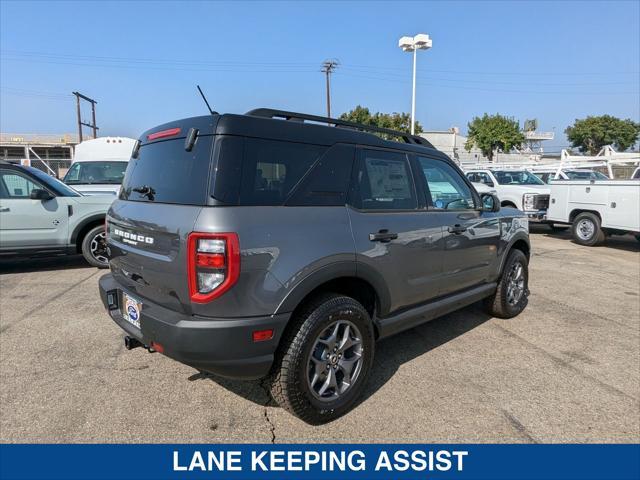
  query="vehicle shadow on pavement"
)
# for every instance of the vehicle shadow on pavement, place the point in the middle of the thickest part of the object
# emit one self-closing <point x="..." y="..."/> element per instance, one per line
<point x="41" y="264"/>
<point x="391" y="353"/>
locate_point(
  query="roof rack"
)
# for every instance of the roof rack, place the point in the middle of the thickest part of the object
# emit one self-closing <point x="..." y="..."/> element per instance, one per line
<point x="301" y="117"/>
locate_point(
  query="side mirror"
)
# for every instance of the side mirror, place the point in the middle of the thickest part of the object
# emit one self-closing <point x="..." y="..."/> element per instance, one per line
<point x="40" y="194"/>
<point x="490" y="202"/>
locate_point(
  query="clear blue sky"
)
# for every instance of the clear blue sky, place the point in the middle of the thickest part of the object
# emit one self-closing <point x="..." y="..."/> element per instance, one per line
<point x="555" y="61"/>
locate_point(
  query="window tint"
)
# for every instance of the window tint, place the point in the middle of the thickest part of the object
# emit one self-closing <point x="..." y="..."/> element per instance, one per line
<point x="271" y="169"/>
<point x="447" y="187"/>
<point x="384" y="182"/>
<point x="165" y="172"/>
<point x="327" y="183"/>
<point x="16" y="185"/>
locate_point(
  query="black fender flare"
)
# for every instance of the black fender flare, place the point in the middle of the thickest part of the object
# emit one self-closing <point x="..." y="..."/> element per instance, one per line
<point x="518" y="236"/>
<point x="330" y="272"/>
<point x="78" y="228"/>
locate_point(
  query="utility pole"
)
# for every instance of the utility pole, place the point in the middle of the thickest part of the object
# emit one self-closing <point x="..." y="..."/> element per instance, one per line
<point x="328" y="66"/>
<point x="92" y="125"/>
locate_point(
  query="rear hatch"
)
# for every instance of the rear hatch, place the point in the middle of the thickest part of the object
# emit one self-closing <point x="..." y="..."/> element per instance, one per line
<point x="164" y="189"/>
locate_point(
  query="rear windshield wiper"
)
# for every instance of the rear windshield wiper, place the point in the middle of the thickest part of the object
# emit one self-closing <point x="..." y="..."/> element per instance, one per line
<point x="146" y="191"/>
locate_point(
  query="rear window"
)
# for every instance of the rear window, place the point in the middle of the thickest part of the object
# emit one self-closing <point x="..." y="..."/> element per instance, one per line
<point x="272" y="169"/>
<point x="165" y="172"/>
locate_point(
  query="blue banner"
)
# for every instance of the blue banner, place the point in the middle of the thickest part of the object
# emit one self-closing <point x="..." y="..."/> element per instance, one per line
<point x="349" y="461"/>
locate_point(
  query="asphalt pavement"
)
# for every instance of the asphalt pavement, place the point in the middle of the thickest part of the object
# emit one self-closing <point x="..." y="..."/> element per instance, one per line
<point x="566" y="370"/>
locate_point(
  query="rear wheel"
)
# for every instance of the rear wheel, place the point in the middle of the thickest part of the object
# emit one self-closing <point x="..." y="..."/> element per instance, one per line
<point x="324" y="360"/>
<point x="512" y="293"/>
<point x="586" y="229"/>
<point x="94" y="247"/>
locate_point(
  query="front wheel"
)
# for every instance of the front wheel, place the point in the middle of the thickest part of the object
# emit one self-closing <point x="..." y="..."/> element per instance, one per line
<point x="586" y="229"/>
<point x="94" y="247"/>
<point x="512" y="293"/>
<point x="324" y="360"/>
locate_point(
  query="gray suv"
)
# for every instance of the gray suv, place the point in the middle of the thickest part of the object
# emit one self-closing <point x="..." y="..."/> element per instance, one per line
<point x="282" y="245"/>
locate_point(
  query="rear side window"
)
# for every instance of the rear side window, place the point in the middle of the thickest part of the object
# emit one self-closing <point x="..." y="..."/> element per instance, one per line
<point x="383" y="181"/>
<point x="327" y="183"/>
<point x="272" y="169"/>
<point x="165" y="172"/>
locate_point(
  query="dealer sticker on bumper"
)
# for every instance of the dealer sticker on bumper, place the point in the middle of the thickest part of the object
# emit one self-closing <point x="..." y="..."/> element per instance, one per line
<point x="131" y="310"/>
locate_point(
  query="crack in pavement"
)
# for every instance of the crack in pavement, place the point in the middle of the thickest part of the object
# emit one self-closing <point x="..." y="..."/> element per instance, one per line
<point x="271" y="425"/>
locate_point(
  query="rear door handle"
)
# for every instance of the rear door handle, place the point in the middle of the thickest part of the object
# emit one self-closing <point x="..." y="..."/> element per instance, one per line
<point x="383" y="236"/>
<point x="457" y="229"/>
<point x="5" y="209"/>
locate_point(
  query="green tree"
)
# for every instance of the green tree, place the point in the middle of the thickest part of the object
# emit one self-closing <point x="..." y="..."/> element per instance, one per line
<point x="394" y="121"/>
<point x="592" y="133"/>
<point x="490" y="132"/>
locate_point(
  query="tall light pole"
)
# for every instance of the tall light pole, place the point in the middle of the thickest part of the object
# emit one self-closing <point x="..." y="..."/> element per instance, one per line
<point x="413" y="44"/>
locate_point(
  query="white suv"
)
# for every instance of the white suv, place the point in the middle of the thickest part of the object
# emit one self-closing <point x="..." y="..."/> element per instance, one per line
<point x="519" y="189"/>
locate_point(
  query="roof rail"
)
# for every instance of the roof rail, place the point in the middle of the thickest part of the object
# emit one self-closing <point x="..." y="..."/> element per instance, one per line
<point x="301" y="117"/>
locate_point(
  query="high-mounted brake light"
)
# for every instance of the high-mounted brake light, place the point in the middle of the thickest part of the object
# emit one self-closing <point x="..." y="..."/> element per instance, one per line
<point x="213" y="264"/>
<point x="163" y="134"/>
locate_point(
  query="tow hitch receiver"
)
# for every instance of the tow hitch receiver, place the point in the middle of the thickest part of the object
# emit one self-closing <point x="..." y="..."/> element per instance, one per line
<point x="130" y="343"/>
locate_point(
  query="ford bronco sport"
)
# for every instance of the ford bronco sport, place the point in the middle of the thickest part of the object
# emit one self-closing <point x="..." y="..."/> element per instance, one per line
<point x="282" y="245"/>
<point x="40" y="215"/>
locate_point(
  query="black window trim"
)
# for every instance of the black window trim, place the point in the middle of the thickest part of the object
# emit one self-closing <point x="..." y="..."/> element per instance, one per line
<point x="359" y="158"/>
<point x="474" y="194"/>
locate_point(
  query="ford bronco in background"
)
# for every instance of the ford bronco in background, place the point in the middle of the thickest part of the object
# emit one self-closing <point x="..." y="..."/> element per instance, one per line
<point x="282" y="245"/>
<point x="40" y="215"/>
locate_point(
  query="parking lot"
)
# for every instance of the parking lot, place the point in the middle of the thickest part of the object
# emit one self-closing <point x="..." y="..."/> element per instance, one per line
<point x="566" y="370"/>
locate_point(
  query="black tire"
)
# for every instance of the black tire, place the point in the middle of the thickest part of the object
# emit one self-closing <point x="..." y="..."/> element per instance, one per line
<point x="97" y="258"/>
<point x="500" y="304"/>
<point x="289" y="381"/>
<point x="586" y="229"/>
<point x="638" y="238"/>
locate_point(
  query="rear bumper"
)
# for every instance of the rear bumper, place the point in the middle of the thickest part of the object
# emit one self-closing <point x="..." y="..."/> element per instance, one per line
<point x="223" y="346"/>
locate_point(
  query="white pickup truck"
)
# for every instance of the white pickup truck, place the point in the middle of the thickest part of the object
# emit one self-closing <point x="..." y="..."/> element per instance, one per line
<point x="516" y="188"/>
<point x="596" y="208"/>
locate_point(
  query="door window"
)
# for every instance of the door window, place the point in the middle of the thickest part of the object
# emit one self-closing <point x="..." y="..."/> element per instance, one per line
<point x="384" y="182"/>
<point x="447" y="187"/>
<point x="15" y="185"/>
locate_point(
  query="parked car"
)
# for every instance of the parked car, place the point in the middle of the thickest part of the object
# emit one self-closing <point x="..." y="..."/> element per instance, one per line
<point x="266" y="244"/>
<point x="519" y="189"/>
<point x="569" y="174"/>
<point x="99" y="164"/>
<point x="596" y="209"/>
<point x="40" y="215"/>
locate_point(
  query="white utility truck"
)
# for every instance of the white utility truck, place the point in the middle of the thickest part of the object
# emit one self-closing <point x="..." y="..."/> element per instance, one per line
<point x="98" y="165"/>
<point x="596" y="208"/>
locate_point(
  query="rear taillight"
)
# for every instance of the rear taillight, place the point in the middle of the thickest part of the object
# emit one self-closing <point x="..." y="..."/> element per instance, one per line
<point x="213" y="264"/>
